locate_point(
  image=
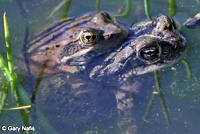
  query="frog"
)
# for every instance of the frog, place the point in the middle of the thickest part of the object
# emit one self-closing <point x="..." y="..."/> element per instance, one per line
<point x="156" y="44"/>
<point x="73" y="42"/>
<point x="80" y="96"/>
<point x="159" y="44"/>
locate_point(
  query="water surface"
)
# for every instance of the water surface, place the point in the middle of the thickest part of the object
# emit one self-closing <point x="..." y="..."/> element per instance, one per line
<point x="181" y="93"/>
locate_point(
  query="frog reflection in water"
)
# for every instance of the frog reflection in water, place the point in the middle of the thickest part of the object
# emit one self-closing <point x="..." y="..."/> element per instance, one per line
<point x="155" y="44"/>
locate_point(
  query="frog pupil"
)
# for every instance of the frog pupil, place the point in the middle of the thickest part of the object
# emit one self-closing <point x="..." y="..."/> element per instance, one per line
<point x="88" y="37"/>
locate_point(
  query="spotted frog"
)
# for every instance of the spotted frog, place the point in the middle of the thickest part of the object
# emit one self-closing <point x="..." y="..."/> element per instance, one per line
<point x="85" y="98"/>
<point x="74" y="42"/>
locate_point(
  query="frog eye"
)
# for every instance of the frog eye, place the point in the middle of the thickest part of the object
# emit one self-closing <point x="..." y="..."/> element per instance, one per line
<point x="88" y="37"/>
<point x="150" y="53"/>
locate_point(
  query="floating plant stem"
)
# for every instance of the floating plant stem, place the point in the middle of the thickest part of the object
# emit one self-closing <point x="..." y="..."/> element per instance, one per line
<point x="8" y="46"/>
<point x="97" y="5"/>
<point x="128" y="9"/>
<point x="10" y="75"/>
<point x="172" y="8"/>
<point x="147" y="9"/>
<point x="188" y="69"/>
<point x="159" y="90"/>
<point x="149" y="106"/>
<point x="16" y="108"/>
<point x="57" y="8"/>
<point x="66" y="9"/>
<point x="3" y="96"/>
<point x="4" y="68"/>
<point x="39" y="79"/>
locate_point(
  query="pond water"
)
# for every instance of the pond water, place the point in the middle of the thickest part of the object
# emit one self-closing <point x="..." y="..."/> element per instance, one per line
<point x="96" y="111"/>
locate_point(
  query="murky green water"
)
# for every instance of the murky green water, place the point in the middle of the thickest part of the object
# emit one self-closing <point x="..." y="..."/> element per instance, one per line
<point x="182" y="95"/>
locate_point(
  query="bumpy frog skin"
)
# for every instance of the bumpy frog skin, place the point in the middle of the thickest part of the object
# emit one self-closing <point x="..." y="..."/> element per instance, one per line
<point x="156" y="44"/>
<point x="75" y="42"/>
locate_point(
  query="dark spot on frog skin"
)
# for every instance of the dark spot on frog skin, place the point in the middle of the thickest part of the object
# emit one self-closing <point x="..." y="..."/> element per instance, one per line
<point x="57" y="46"/>
<point x="111" y="36"/>
<point x="53" y="37"/>
<point x="70" y="36"/>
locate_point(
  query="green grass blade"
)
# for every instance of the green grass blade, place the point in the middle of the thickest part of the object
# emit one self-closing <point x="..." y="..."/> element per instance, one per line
<point x="3" y="97"/>
<point x="147" y="9"/>
<point x="97" y="5"/>
<point x="4" y="68"/>
<point x="11" y="75"/>
<point x="149" y="106"/>
<point x="128" y="9"/>
<point x="159" y="90"/>
<point x="188" y="69"/>
<point x="8" y="45"/>
<point x="46" y="125"/>
<point x="66" y="9"/>
<point x="172" y="8"/>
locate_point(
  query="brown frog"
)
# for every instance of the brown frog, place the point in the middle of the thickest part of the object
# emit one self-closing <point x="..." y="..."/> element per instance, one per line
<point x="155" y="44"/>
<point x="75" y="42"/>
<point x="79" y="100"/>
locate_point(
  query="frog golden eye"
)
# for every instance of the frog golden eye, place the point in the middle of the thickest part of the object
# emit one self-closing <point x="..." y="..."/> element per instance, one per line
<point x="150" y="53"/>
<point x="88" y="37"/>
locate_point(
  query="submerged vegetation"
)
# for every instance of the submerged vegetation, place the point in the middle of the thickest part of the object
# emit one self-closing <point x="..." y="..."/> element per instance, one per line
<point x="9" y="79"/>
<point x="12" y="81"/>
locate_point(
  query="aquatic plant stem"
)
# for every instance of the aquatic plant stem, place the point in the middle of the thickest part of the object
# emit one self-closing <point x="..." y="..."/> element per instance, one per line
<point x="149" y="106"/>
<point x="66" y="9"/>
<point x="159" y="90"/>
<point x="8" y="46"/>
<point x="39" y="79"/>
<point x="10" y="75"/>
<point x="3" y="96"/>
<point x="9" y="54"/>
<point x="188" y="69"/>
<point x="97" y="5"/>
<point x="172" y="8"/>
<point x="4" y="68"/>
<point x="128" y="10"/>
<point x="147" y="9"/>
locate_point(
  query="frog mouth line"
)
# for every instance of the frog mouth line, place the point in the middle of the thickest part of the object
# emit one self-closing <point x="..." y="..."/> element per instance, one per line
<point x="65" y="59"/>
